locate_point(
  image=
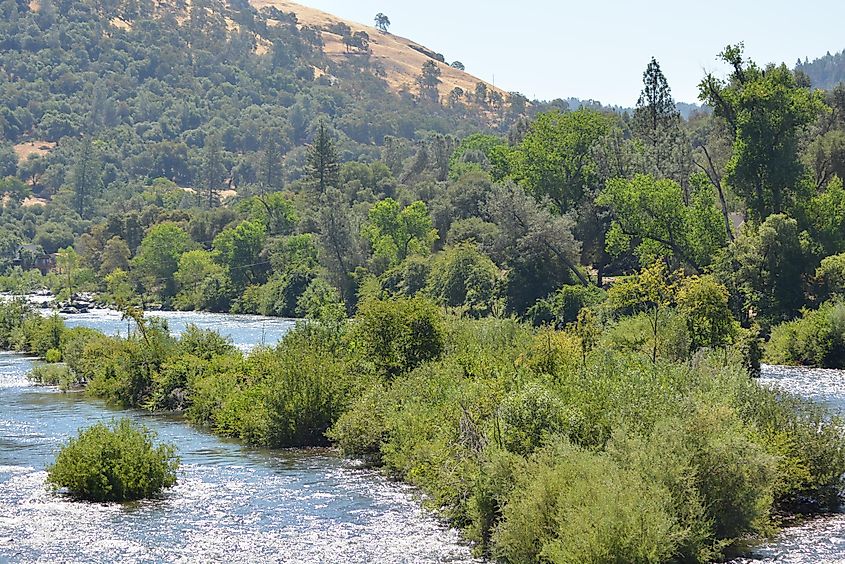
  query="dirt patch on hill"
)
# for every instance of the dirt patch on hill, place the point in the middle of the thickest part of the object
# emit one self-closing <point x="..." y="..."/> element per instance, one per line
<point x="30" y="148"/>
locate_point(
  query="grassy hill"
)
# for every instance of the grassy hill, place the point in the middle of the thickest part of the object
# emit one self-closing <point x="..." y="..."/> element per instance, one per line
<point x="151" y="82"/>
<point x="401" y="58"/>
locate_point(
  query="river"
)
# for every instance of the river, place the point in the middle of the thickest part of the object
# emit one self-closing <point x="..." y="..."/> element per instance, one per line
<point x="822" y="539"/>
<point x="232" y="503"/>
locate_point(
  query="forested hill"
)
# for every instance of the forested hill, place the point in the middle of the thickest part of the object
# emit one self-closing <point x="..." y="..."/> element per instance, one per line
<point x="824" y="72"/>
<point x="151" y="83"/>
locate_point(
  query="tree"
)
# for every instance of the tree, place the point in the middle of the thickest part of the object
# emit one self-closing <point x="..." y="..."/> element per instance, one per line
<point x="195" y="268"/>
<point x="158" y="258"/>
<point x="239" y="249"/>
<point x="395" y="233"/>
<point x="764" y="270"/>
<point x="339" y="248"/>
<point x="528" y="227"/>
<point x="322" y="165"/>
<point x="270" y="178"/>
<point x="458" y="65"/>
<point x="825" y="212"/>
<point x="654" y="214"/>
<point x="382" y="22"/>
<point x="703" y="301"/>
<point x="361" y="41"/>
<point x="656" y="120"/>
<point x="764" y="110"/>
<point x="86" y="180"/>
<point x="463" y="277"/>
<point x="67" y="264"/>
<point x="211" y="173"/>
<point x="429" y="81"/>
<point x="655" y="112"/>
<point x="556" y="161"/>
<point x="650" y="292"/>
<point x="115" y="256"/>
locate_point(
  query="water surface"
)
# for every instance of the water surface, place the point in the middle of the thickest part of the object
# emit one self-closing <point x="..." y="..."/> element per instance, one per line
<point x="231" y="503"/>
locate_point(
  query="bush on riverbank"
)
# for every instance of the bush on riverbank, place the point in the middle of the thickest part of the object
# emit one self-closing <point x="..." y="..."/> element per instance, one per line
<point x="116" y="462"/>
<point x="486" y="415"/>
<point x="54" y="375"/>
<point x="816" y="339"/>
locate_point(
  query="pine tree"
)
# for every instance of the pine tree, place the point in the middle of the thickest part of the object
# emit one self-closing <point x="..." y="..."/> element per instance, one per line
<point x="429" y="81"/>
<point x="323" y="165"/>
<point x="211" y="174"/>
<point x="656" y="112"/>
<point x="657" y="123"/>
<point x="270" y="170"/>
<point x="86" y="177"/>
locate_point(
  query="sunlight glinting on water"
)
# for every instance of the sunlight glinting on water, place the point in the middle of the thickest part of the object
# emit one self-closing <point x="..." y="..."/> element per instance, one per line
<point x="231" y="503"/>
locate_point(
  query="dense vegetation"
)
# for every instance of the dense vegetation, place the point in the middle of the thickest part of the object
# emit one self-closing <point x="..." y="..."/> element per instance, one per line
<point x="116" y="462"/>
<point x="545" y="318"/>
<point x="825" y="72"/>
<point x="635" y="432"/>
<point x="320" y="214"/>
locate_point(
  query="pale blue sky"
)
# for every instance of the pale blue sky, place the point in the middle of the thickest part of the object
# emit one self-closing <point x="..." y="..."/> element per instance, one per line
<point x="598" y="49"/>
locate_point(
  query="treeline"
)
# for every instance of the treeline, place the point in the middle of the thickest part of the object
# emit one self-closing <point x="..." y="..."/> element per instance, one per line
<point x="486" y="223"/>
<point x="635" y="432"/>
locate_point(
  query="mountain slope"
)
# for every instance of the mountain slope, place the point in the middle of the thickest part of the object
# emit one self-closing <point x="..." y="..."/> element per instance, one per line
<point x="824" y="72"/>
<point x="401" y="58"/>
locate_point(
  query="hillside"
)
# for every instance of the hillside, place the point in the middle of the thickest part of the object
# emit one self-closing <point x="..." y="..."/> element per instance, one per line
<point x="401" y="58"/>
<point x="152" y="82"/>
<point x="824" y="72"/>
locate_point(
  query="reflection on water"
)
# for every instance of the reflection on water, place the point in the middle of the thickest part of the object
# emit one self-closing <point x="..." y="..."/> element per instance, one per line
<point x="232" y="503"/>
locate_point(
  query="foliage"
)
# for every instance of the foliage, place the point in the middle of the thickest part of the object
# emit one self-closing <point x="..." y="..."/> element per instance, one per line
<point x="116" y="462"/>
<point x="555" y="159"/>
<point x="704" y="304"/>
<point x="765" y="110"/>
<point x="655" y="214"/>
<point x="816" y="339"/>
<point x="764" y="270"/>
<point x="398" y="335"/>
<point x="463" y="277"/>
<point x="395" y="232"/>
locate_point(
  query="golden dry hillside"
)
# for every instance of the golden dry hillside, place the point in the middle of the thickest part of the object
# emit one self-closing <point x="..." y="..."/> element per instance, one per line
<point x="401" y="58"/>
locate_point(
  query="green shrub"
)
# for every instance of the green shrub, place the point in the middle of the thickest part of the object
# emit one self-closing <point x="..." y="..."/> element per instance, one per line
<point x="806" y="441"/>
<point x="533" y="415"/>
<point x="463" y="277"/>
<point x="816" y="339"/>
<point x="116" y="462"/>
<point x="635" y="334"/>
<point x="569" y="505"/>
<point x="563" y="306"/>
<point x="54" y="375"/>
<point x="399" y="335"/>
<point x="362" y="429"/>
<point x="53" y="356"/>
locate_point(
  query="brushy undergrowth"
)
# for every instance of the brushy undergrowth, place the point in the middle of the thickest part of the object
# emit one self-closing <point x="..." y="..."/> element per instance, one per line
<point x="116" y="462"/>
<point x="584" y="444"/>
<point x="815" y="339"/>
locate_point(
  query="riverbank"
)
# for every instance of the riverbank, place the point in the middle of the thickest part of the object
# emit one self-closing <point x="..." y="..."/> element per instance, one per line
<point x="487" y="416"/>
<point x="232" y="502"/>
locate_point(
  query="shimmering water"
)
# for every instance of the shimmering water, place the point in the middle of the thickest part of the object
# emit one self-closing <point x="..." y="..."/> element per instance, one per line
<point x="819" y="540"/>
<point x="231" y="504"/>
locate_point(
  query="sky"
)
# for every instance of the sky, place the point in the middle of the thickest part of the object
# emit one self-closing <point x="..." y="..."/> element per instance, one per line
<point x="599" y="49"/>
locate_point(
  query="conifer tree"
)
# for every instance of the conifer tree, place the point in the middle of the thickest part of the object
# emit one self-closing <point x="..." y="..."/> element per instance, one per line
<point x="323" y="165"/>
<point x="211" y="174"/>
<point x="86" y="180"/>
